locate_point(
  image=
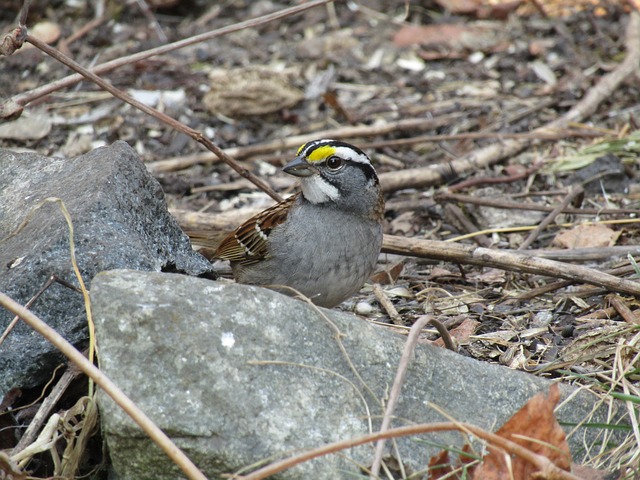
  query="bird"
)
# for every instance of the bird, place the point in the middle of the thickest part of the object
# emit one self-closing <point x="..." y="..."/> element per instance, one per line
<point x="324" y="240"/>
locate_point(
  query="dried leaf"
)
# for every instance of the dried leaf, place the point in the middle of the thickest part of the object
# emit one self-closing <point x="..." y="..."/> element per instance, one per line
<point x="404" y="224"/>
<point x="388" y="276"/>
<point x="534" y="427"/>
<point x="457" y="37"/>
<point x="250" y="91"/>
<point x="440" y="466"/>
<point x="586" y="236"/>
<point x="491" y="276"/>
<point x="462" y="332"/>
<point x="464" y="7"/>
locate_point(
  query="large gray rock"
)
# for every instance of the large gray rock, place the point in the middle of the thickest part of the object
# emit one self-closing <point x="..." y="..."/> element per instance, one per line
<point x="187" y="351"/>
<point x="120" y="220"/>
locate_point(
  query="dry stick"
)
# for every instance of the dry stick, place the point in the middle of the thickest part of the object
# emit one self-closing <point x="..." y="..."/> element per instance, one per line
<point x="458" y="253"/>
<point x="578" y="190"/>
<point x="157" y="435"/>
<point x="510" y="205"/>
<point x="46" y="406"/>
<point x="420" y="177"/>
<point x="467" y="225"/>
<point x="384" y="301"/>
<point x="181" y="162"/>
<point x="394" y="395"/>
<point x="444" y="334"/>
<point x="548" y="136"/>
<point x="479" y="180"/>
<point x="14" y="105"/>
<point x="512" y="261"/>
<point x="171" y="122"/>
<point x="536" y="292"/>
<point x="547" y="468"/>
<point x="623" y="309"/>
<point x="63" y="45"/>
<point x="31" y="301"/>
<point x="178" y="163"/>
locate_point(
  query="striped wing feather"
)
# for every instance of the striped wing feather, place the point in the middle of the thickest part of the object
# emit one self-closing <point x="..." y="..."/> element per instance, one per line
<point x="248" y="243"/>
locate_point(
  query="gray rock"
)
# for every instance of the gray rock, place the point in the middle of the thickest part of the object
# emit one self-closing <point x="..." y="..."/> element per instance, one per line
<point x="194" y="355"/>
<point x="120" y="220"/>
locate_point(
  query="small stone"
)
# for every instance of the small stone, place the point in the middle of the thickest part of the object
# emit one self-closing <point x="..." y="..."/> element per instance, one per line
<point x="364" y="308"/>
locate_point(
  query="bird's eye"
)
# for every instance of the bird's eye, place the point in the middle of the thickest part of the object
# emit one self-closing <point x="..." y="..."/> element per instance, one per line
<point x="334" y="163"/>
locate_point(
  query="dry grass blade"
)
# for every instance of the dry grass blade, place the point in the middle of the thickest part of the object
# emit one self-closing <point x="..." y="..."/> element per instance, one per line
<point x="542" y="463"/>
<point x="394" y="395"/>
<point x="45" y="408"/>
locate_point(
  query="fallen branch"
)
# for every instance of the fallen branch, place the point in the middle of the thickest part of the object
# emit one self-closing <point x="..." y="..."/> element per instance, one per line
<point x="506" y="260"/>
<point x="179" y="163"/>
<point x="524" y="262"/>
<point x="431" y="175"/>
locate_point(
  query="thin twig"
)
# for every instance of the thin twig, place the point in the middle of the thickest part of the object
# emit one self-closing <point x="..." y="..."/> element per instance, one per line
<point x="157" y="435"/>
<point x="153" y="21"/>
<point x="467" y="225"/>
<point x="511" y="205"/>
<point x="280" y="144"/>
<point x="623" y="309"/>
<point x="575" y="192"/>
<point x="477" y="180"/>
<point x="444" y="334"/>
<point x="384" y="301"/>
<point x="13" y="106"/>
<point x="394" y="395"/>
<point x="31" y="301"/>
<point x="541" y="462"/>
<point x="480" y="159"/>
<point x="162" y="117"/>
<point x="46" y="406"/>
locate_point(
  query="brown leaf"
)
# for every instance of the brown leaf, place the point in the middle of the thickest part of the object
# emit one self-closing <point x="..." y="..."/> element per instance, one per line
<point x="585" y="236"/>
<point x="461" y="333"/>
<point x="499" y="11"/>
<point x="403" y="224"/>
<point x="440" y="466"/>
<point x="388" y="276"/>
<point x="534" y="421"/>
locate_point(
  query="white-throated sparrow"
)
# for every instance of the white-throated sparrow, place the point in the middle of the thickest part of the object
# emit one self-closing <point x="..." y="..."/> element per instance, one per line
<point x="323" y="241"/>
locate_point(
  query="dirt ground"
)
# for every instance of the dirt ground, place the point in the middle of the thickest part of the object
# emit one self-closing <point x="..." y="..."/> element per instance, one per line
<point x="417" y="86"/>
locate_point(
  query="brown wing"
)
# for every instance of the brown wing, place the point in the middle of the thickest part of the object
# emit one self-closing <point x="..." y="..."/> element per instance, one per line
<point x="248" y="243"/>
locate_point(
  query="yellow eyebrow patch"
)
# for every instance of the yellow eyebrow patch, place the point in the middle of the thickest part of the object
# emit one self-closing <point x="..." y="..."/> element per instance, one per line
<point x="321" y="153"/>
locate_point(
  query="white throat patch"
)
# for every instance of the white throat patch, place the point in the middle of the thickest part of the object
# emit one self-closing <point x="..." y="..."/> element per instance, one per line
<point x="317" y="190"/>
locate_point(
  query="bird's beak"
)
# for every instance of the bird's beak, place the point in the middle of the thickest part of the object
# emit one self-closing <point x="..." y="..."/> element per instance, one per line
<point x="299" y="167"/>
